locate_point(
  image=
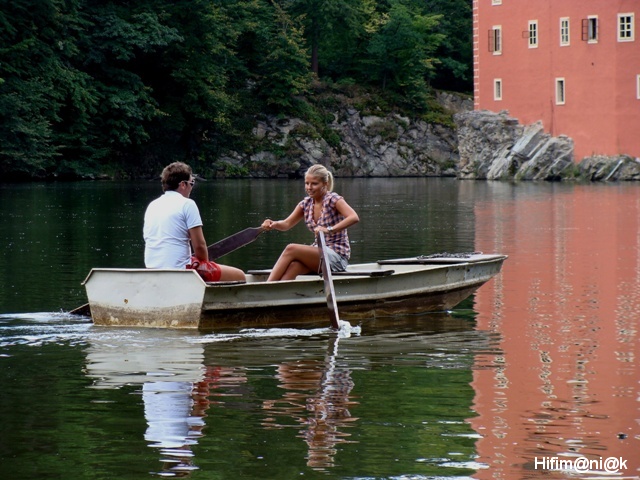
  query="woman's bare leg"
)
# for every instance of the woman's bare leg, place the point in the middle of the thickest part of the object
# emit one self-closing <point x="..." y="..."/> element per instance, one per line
<point x="294" y="269"/>
<point x="295" y="260"/>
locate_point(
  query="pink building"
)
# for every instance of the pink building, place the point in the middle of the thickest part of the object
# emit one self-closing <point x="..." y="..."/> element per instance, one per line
<point x="572" y="64"/>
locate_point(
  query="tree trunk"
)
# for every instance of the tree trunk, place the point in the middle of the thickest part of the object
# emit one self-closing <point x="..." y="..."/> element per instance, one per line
<point x="314" y="48"/>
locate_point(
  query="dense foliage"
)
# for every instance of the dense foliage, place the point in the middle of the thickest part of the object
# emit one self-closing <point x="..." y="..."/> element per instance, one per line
<point x="121" y="87"/>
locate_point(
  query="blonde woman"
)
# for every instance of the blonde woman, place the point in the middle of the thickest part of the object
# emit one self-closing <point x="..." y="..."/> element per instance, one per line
<point x="323" y="211"/>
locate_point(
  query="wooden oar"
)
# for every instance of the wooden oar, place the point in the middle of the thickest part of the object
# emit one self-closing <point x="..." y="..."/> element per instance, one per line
<point x="233" y="242"/>
<point x="217" y="250"/>
<point x="83" y="310"/>
<point x="329" y="291"/>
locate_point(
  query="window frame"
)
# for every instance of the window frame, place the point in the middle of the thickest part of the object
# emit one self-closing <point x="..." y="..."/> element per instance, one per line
<point x="590" y="29"/>
<point x="495" y="40"/>
<point x="565" y="37"/>
<point x="533" y="34"/>
<point x="561" y="91"/>
<point x="497" y="89"/>
<point x="630" y="27"/>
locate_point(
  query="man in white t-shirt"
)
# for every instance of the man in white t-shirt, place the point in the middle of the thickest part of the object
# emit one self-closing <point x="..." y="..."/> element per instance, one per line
<point x="173" y="221"/>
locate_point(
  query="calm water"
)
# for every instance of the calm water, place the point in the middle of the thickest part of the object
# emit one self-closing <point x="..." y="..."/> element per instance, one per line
<point x="541" y="363"/>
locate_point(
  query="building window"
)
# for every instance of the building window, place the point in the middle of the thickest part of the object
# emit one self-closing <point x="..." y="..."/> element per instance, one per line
<point x="495" y="40"/>
<point x="533" y="34"/>
<point x="564" y="32"/>
<point x="497" y="89"/>
<point x="625" y="27"/>
<point x="496" y="2"/>
<point x="560" y="91"/>
<point x="590" y="29"/>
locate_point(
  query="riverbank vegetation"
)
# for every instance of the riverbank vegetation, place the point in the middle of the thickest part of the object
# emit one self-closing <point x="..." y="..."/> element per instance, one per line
<point x="121" y="87"/>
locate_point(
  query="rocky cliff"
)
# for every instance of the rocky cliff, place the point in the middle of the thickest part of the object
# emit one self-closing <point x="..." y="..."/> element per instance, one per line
<point x="495" y="146"/>
<point x="354" y="144"/>
<point x="481" y="145"/>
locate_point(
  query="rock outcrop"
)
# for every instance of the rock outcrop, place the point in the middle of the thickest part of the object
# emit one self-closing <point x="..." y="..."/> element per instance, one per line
<point x="353" y="145"/>
<point x="496" y="147"/>
<point x="393" y="146"/>
<point x="482" y="145"/>
<point x="619" y="168"/>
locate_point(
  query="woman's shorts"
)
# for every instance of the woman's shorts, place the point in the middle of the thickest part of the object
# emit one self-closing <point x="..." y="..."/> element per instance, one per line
<point x="337" y="262"/>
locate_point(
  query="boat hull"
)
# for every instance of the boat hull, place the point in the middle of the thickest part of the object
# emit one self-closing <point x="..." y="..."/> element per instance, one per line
<point x="181" y="299"/>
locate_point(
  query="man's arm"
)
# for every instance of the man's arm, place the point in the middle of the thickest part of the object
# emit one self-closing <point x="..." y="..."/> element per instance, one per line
<point x="198" y="243"/>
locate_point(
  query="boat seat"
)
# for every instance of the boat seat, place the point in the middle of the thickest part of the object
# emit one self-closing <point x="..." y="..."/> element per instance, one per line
<point x="364" y="273"/>
<point x="230" y="282"/>
<point x="259" y="272"/>
<point x="349" y="273"/>
<point x="439" y="259"/>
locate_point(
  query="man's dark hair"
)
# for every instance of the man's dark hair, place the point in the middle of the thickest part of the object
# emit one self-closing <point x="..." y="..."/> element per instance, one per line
<point x="175" y="173"/>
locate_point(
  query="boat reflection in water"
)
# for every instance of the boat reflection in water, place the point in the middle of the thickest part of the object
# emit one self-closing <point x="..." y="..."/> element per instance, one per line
<point x="276" y="380"/>
<point x="176" y="389"/>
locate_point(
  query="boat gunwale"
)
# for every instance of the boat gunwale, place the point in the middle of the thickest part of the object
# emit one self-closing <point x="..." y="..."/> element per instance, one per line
<point x="413" y="265"/>
<point x="410" y="268"/>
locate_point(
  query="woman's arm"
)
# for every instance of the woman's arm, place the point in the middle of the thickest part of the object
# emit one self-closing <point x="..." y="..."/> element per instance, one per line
<point x="286" y="224"/>
<point x="349" y="214"/>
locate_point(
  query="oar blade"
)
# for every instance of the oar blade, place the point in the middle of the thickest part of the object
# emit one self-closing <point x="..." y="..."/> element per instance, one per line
<point x="329" y="289"/>
<point x="233" y="242"/>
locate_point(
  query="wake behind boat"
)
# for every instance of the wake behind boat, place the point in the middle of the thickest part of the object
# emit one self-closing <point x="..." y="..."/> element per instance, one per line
<point x="181" y="299"/>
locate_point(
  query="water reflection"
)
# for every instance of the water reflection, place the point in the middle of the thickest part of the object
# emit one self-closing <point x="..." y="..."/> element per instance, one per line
<point x="567" y="306"/>
<point x="175" y="388"/>
<point x="318" y="397"/>
<point x="263" y="391"/>
<point x="549" y="366"/>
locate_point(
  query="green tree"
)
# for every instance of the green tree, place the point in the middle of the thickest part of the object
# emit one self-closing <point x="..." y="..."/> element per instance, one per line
<point x="455" y="52"/>
<point x="335" y="25"/>
<point x="72" y="95"/>
<point x="39" y="84"/>
<point x="283" y="65"/>
<point x="114" y="85"/>
<point x="196" y="81"/>
<point x="400" y="52"/>
<point x="122" y="42"/>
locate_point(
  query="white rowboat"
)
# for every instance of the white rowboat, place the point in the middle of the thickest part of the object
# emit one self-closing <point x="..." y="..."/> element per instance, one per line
<point x="181" y="299"/>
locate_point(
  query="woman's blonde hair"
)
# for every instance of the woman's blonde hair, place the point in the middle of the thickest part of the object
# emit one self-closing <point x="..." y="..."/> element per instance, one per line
<point x="321" y="172"/>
